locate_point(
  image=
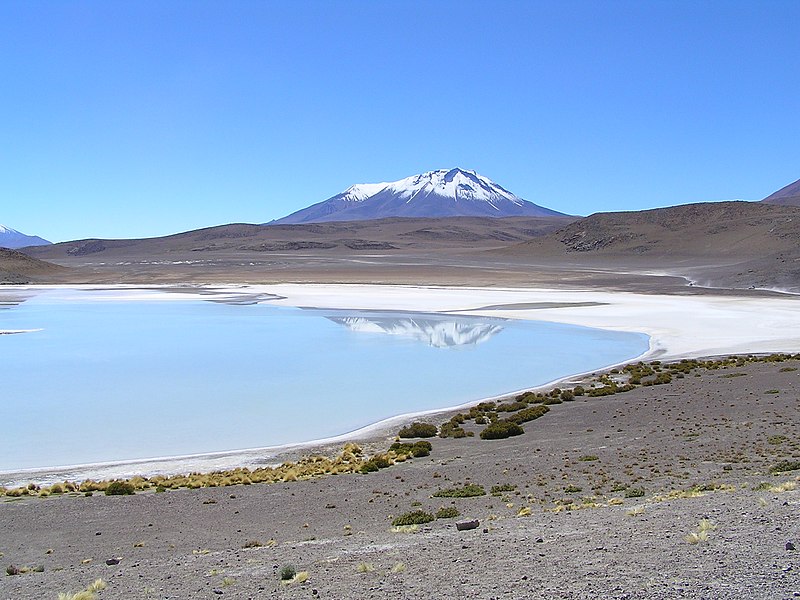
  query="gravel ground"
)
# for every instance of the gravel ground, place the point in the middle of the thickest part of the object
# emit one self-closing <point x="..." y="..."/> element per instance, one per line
<point x="720" y="430"/>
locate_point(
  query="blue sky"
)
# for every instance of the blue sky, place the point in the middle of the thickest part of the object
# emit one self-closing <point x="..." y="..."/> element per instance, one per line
<point x="134" y="119"/>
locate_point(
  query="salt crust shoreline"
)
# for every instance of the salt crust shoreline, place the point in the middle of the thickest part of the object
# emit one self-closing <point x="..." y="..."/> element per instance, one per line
<point x="678" y="326"/>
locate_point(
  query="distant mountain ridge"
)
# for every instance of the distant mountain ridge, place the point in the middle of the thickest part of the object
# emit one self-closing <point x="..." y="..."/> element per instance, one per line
<point x="11" y="238"/>
<point x="435" y="194"/>
<point x="786" y="196"/>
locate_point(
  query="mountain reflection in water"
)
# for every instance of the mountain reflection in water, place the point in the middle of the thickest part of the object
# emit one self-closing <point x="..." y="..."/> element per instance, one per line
<point x="439" y="333"/>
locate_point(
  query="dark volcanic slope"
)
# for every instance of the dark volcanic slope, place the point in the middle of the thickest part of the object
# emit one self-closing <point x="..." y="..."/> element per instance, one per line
<point x="384" y="235"/>
<point x="16" y="267"/>
<point x="787" y="196"/>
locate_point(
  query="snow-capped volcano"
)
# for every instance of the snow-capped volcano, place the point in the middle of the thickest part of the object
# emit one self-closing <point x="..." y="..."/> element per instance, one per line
<point x="11" y="238"/>
<point x="442" y="193"/>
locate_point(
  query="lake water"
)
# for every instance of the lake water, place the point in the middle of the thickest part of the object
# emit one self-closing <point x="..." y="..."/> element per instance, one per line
<point x="109" y="375"/>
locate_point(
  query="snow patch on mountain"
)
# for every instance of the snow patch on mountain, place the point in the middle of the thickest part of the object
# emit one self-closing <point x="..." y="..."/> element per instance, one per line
<point x="361" y="191"/>
<point x="13" y="239"/>
<point x="441" y="193"/>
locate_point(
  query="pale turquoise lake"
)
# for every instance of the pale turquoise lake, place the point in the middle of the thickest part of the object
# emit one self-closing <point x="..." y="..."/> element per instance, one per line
<point x="97" y="377"/>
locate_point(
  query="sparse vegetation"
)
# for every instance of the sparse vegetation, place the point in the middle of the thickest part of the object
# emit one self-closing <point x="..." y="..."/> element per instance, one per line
<point x="500" y="430"/>
<point x="418" y="430"/>
<point x="416" y="517"/>
<point x="119" y="488"/>
<point x="287" y="572"/>
<point x="468" y="491"/>
<point x="365" y="567"/>
<point x="701" y="535"/>
<point x="447" y="512"/>
<point x="634" y="492"/>
<point x="785" y="466"/>
<point x="90" y="593"/>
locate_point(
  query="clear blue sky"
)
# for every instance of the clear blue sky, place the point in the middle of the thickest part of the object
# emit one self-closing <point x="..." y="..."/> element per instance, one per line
<point x="142" y="118"/>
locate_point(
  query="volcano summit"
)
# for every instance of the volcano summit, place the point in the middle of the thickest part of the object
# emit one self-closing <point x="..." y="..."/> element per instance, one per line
<point x="442" y="193"/>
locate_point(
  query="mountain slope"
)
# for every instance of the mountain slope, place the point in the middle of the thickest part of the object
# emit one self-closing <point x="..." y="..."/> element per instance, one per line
<point x="383" y="235"/>
<point x="730" y="244"/>
<point x="718" y="229"/>
<point x="16" y="267"/>
<point x="435" y="194"/>
<point x="11" y="238"/>
<point x="786" y="196"/>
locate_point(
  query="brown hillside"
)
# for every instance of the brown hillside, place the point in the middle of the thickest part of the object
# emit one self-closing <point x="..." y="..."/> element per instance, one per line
<point x="384" y="235"/>
<point x="16" y="267"/>
<point x="711" y="230"/>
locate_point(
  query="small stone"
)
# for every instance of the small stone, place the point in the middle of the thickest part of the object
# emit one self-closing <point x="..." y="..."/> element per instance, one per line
<point x="465" y="525"/>
<point x="540" y="540"/>
<point x="112" y="561"/>
<point x="217" y="592"/>
<point x="98" y="533"/>
<point x="790" y="546"/>
<point x="486" y="530"/>
<point x="314" y="592"/>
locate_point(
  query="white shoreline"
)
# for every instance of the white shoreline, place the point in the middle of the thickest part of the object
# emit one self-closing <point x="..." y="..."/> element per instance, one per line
<point x="678" y="327"/>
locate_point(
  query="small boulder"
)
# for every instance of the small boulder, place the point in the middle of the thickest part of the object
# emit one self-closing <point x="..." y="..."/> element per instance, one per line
<point x="465" y="525"/>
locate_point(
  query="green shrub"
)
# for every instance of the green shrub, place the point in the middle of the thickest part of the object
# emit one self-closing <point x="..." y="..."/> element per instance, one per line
<point x="369" y="467"/>
<point x="468" y="491"/>
<point x="579" y="390"/>
<point x="499" y="489"/>
<point x="606" y="390"/>
<point x="573" y="489"/>
<point x="500" y="430"/>
<point x="417" y="449"/>
<point x="287" y="572"/>
<point x="588" y="457"/>
<point x="416" y="517"/>
<point x="381" y="461"/>
<point x="528" y="414"/>
<point x="512" y="406"/>
<point x="634" y="493"/>
<point x="421" y="448"/>
<point x="447" y="512"/>
<point x="452" y="429"/>
<point x="784" y="466"/>
<point x="418" y="430"/>
<point x="119" y="488"/>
